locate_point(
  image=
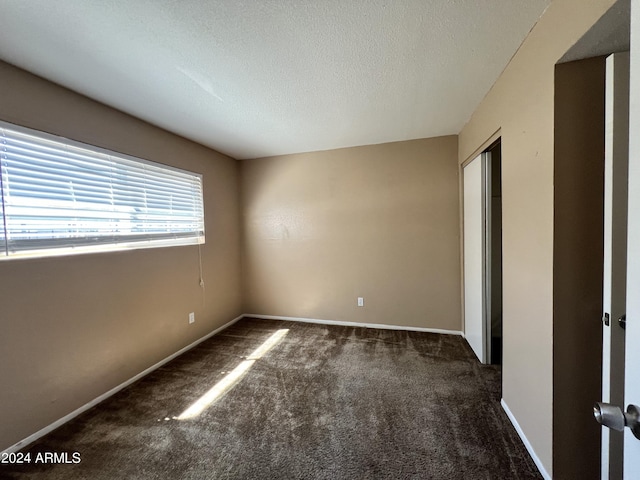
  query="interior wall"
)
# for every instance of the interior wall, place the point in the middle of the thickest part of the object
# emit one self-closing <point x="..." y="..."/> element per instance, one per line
<point x="74" y="327"/>
<point x="578" y="232"/>
<point x="379" y="222"/>
<point x="521" y="104"/>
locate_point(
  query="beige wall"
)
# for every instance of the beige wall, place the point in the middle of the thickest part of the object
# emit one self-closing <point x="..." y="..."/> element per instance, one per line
<point x="521" y="104"/>
<point x="381" y="222"/>
<point x="75" y="327"/>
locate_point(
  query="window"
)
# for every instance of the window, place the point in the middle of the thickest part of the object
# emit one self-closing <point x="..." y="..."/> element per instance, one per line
<point x="59" y="196"/>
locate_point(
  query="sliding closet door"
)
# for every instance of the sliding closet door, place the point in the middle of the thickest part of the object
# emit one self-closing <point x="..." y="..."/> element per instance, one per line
<point x="473" y="176"/>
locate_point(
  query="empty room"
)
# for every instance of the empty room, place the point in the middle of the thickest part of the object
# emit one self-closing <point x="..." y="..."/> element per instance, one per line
<point x="319" y="239"/>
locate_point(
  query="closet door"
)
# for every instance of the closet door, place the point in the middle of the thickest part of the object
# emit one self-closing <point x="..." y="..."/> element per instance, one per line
<point x="474" y="232"/>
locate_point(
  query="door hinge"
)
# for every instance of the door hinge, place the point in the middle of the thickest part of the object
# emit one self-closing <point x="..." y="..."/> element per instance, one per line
<point x="605" y="319"/>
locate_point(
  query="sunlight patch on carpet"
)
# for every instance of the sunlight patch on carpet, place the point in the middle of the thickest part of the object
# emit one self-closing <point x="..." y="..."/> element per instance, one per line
<point x="232" y="378"/>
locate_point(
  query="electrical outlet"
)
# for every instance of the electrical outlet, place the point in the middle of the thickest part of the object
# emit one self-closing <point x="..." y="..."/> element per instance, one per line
<point x="192" y="317"/>
<point x="361" y="301"/>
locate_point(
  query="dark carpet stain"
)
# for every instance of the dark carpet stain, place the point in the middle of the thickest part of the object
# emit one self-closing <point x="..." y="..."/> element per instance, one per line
<point x="325" y="402"/>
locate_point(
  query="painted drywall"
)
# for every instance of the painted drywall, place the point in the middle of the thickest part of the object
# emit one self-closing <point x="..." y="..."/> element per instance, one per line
<point x="74" y="327"/>
<point x="521" y="104"/>
<point x="578" y="247"/>
<point x="378" y="222"/>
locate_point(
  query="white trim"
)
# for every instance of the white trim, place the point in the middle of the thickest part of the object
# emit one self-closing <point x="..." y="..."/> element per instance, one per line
<point x="525" y="440"/>
<point x="354" y="324"/>
<point x="40" y="433"/>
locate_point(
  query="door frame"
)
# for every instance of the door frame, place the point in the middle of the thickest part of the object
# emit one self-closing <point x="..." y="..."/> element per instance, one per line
<point x="485" y="356"/>
<point x="632" y="350"/>
<point x="615" y="252"/>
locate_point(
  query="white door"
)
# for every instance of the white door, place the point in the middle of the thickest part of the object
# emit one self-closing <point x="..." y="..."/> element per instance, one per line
<point x="474" y="190"/>
<point x="615" y="253"/>
<point x="632" y="357"/>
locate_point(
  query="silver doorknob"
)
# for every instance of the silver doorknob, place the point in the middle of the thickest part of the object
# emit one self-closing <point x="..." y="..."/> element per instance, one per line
<point x="612" y="416"/>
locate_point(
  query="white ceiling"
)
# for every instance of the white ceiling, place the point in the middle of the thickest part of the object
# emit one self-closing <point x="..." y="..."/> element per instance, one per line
<point x="254" y="78"/>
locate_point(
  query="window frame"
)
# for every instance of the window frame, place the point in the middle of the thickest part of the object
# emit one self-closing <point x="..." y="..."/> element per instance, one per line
<point x="100" y="242"/>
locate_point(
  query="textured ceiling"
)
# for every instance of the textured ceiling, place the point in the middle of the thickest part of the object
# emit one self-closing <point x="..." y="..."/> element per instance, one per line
<point x="253" y="78"/>
<point x="610" y="34"/>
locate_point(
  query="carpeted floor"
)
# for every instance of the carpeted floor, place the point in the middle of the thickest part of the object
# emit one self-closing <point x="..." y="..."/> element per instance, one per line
<point x="298" y="401"/>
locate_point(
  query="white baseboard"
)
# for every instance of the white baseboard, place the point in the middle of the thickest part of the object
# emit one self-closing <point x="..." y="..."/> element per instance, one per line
<point x="525" y="440"/>
<point x="40" y="433"/>
<point x="353" y="324"/>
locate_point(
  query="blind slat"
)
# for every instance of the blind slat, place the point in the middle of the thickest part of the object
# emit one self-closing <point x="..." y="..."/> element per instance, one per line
<point x="57" y="194"/>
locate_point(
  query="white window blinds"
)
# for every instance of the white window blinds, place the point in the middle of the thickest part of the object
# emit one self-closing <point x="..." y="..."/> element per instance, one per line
<point x="59" y="196"/>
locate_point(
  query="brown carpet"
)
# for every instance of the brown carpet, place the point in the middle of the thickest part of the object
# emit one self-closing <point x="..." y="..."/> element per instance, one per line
<point x="317" y="402"/>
